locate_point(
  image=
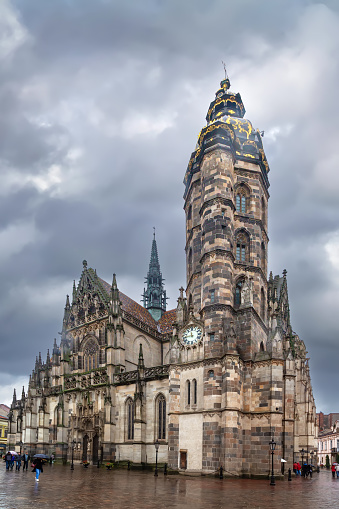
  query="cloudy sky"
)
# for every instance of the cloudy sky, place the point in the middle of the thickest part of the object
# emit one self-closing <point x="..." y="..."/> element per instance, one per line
<point x="101" y="104"/>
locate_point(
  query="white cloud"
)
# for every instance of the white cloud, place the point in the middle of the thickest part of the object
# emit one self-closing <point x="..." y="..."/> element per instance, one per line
<point x="8" y="384"/>
<point x="51" y="178"/>
<point x="332" y="251"/>
<point x="12" y="33"/>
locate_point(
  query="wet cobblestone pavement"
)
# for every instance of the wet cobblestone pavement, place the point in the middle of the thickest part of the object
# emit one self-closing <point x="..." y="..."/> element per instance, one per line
<point x="99" y="488"/>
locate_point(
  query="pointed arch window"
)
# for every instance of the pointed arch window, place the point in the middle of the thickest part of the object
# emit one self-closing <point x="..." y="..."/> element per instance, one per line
<point x="262" y="304"/>
<point x="242" y="199"/>
<point x="263" y="256"/>
<point x="188" y="392"/>
<point x="240" y="203"/>
<point x="161" y="417"/>
<point x="130" y="419"/>
<point x="263" y="211"/>
<point x="90" y="354"/>
<point x="189" y="213"/>
<point x="242" y="247"/>
<point x="195" y="392"/>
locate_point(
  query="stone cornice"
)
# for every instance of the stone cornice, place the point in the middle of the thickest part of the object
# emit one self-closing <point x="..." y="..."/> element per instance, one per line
<point x="218" y="199"/>
<point x="219" y="411"/>
<point x="246" y="218"/>
<point x="244" y="172"/>
<point x="222" y="360"/>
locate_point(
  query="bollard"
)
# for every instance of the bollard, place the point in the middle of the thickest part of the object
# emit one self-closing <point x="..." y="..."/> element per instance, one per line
<point x="128" y="466"/>
<point x="165" y="469"/>
<point x="289" y="475"/>
<point x="221" y="476"/>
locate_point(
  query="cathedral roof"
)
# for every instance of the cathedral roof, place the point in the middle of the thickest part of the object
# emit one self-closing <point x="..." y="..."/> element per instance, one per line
<point x="142" y="314"/>
<point x="166" y="321"/>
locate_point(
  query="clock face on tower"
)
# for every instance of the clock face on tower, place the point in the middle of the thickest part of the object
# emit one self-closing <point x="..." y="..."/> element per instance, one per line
<point x="192" y="335"/>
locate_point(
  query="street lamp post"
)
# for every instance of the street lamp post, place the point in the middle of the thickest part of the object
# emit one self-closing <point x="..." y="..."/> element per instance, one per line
<point x="156" y="445"/>
<point x="302" y="461"/>
<point x="272" y="447"/>
<point x="73" y="445"/>
<point x="20" y="444"/>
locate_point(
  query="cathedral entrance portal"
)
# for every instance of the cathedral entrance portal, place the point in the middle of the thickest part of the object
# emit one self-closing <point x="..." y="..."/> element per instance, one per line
<point x="95" y="448"/>
<point x="84" y="448"/>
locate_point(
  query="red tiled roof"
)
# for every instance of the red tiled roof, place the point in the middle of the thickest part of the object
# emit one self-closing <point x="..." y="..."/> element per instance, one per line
<point x="166" y="321"/>
<point x="4" y="410"/>
<point x="141" y="313"/>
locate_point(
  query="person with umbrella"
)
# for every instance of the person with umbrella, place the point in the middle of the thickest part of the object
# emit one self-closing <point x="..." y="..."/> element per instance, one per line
<point x="37" y="464"/>
<point x="333" y="470"/>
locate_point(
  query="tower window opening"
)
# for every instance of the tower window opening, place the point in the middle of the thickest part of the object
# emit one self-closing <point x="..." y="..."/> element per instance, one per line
<point x="161" y="408"/>
<point x="130" y="419"/>
<point x="263" y="211"/>
<point x="241" y="201"/>
<point x="188" y="392"/>
<point x="195" y="392"/>
<point x="242" y="245"/>
<point x="241" y="252"/>
<point x="262" y="304"/>
<point x="263" y="256"/>
<point x="212" y="296"/>
<point x="189" y="213"/>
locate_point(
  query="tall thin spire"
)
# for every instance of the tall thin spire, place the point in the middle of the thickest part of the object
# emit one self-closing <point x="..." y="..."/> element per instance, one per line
<point x="154" y="296"/>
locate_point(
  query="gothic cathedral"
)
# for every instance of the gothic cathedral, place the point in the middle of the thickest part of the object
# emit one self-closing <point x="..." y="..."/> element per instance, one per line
<point x="210" y="382"/>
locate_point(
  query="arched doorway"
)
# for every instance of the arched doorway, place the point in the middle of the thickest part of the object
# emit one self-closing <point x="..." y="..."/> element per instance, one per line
<point x="84" y="448"/>
<point x="95" y="448"/>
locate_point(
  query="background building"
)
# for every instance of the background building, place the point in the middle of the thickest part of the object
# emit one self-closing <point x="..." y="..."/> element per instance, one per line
<point x="326" y="421"/>
<point x="328" y="444"/>
<point x="4" y="410"/>
<point x="212" y="380"/>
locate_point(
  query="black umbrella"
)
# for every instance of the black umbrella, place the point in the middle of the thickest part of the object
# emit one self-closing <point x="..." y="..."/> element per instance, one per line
<point x="42" y="456"/>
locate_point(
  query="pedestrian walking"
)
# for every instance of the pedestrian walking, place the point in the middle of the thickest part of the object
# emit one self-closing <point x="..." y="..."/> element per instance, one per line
<point x="333" y="471"/>
<point x="25" y="459"/>
<point x="37" y="464"/>
<point x="295" y="468"/>
<point x="8" y="459"/>
<point x="298" y="468"/>
<point x="18" y="462"/>
<point x="337" y="470"/>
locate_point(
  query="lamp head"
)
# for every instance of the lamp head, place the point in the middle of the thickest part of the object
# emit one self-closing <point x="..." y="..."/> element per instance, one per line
<point x="272" y="444"/>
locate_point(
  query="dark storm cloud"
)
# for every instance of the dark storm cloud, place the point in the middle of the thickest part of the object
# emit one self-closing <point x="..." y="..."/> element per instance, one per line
<point x="102" y="103"/>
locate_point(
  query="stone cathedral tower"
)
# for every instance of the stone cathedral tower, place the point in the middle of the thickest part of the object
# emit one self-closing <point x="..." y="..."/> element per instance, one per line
<point x="232" y="368"/>
<point x="226" y="236"/>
